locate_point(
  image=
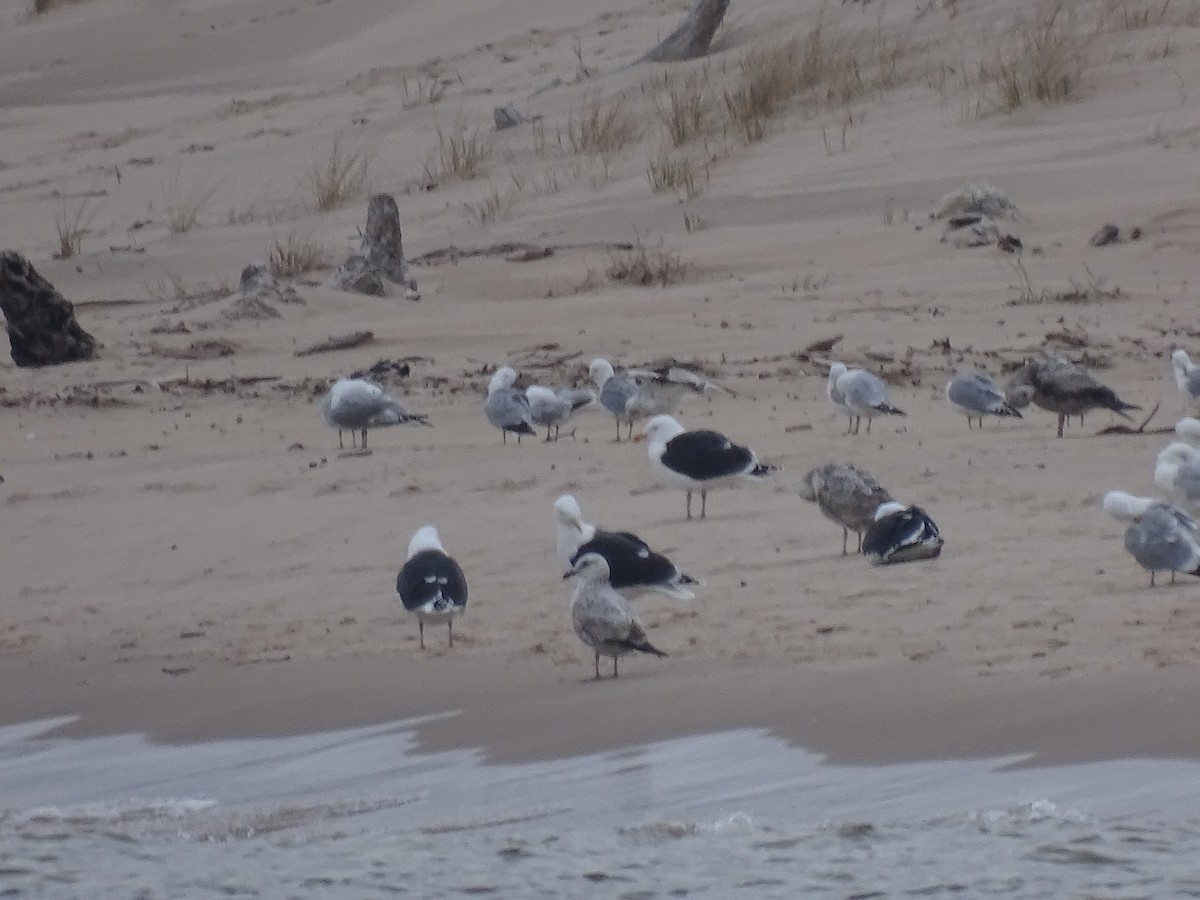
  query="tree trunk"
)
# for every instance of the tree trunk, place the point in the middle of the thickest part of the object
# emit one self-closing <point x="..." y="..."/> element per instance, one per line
<point x="381" y="255"/>
<point x="42" y="330"/>
<point x="693" y="36"/>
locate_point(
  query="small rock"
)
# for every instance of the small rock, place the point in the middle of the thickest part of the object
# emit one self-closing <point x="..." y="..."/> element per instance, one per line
<point x="1108" y="234"/>
<point x="508" y="116"/>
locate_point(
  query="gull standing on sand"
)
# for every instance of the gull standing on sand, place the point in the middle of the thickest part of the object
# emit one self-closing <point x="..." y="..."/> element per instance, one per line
<point x="1177" y="471"/>
<point x="635" y="394"/>
<point x="1187" y="379"/>
<point x="1188" y="428"/>
<point x="602" y="618"/>
<point x="634" y="568"/>
<point x="506" y="407"/>
<point x="1160" y="537"/>
<point x="356" y="404"/>
<point x="1060" y="386"/>
<point x="555" y="407"/>
<point x="858" y="394"/>
<point x="699" y="460"/>
<point x="431" y="584"/>
<point x="845" y="494"/>
<point x="975" y="395"/>
<point x="901" y="534"/>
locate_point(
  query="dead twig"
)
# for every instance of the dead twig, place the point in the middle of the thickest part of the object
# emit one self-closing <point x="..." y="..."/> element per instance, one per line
<point x="339" y="342"/>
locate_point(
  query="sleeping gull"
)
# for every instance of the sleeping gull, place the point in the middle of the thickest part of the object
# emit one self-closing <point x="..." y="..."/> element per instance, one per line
<point x="555" y="407"/>
<point x="633" y="567"/>
<point x="506" y="407"/>
<point x="975" y="395"/>
<point x="846" y="495"/>
<point x="901" y="534"/>
<point x="1160" y="537"/>
<point x="858" y="394"/>
<point x="603" y="618"/>
<point x="635" y="394"/>
<point x="1177" y="471"/>
<point x="356" y="404"/>
<point x="431" y="584"/>
<point x="1062" y="387"/>
<point x="1187" y="379"/>
<point x="1188" y="428"/>
<point x="699" y="460"/>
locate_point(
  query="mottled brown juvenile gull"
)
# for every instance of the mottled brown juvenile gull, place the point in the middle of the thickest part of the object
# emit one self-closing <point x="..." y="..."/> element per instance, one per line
<point x="975" y="395"/>
<point x="1177" y="472"/>
<point x="356" y="405"/>
<point x="431" y="584"/>
<point x="1187" y="379"/>
<point x="1062" y="387"/>
<point x="845" y="494"/>
<point x="1160" y="537"/>
<point x="602" y="618"/>
<point x="858" y="394"/>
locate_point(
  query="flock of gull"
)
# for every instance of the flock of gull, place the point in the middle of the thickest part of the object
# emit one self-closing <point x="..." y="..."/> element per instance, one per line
<point x="610" y="568"/>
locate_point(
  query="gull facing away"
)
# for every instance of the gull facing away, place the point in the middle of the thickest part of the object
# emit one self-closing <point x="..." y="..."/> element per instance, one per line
<point x="975" y="395"/>
<point x="699" y="460"/>
<point x="634" y="394"/>
<point x="555" y="407"/>
<point x="1177" y="471"/>
<point x="356" y="404"/>
<point x="506" y="407"/>
<point x="847" y="495"/>
<point x="901" y="534"/>
<point x="1187" y="379"/>
<point x="602" y="618"/>
<point x="634" y="568"/>
<point x="1188" y="428"/>
<point x="431" y="584"/>
<point x="1160" y="537"/>
<point x="1060" y="386"/>
<point x="858" y="394"/>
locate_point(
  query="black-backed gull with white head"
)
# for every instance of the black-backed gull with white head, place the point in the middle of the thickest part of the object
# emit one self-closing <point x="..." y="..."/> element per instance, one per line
<point x="431" y="584"/>
<point x="901" y="534"/>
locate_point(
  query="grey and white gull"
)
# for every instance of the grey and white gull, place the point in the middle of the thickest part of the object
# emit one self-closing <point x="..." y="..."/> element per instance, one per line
<point x="858" y="394"/>
<point x="431" y="583"/>
<point x="698" y="461"/>
<point x="634" y="568"/>
<point x="551" y="408"/>
<point x="507" y="407"/>
<point x="1160" y="537"/>
<point x="631" y="395"/>
<point x="601" y="617"/>
<point x="357" y="405"/>
<point x="1187" y="379"/>
<point x="1177" y="472"/>
<point x="975" y="395"/>
<point x="1188" y="428"/>
<point x="845" y="494"/>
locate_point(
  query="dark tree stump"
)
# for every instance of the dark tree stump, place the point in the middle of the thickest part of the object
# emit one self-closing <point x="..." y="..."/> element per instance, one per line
<point x="42" y="330"/>
<point x="693" y="36"/>
<point x="381" y="255"/>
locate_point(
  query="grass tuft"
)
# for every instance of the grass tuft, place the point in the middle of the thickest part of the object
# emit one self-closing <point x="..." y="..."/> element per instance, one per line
<point x="293" y="256"/>
<point x="71" y="223"/>
<point x="646" y="268"/>
<point x="1042" y="62"/>
<point x="602" y="128"/>
<point x="338" y="178"/>
<point x="462" y="155"/>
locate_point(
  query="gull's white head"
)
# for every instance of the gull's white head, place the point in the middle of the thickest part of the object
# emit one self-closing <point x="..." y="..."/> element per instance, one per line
<point x="661" y="429"/>
<point x="1126" y="507"/>
<point x="426" y="538"/>
<point x="836" y="371"/>
<point x="886" y="509"/>
<point x="600" y="371"/>
<point x="810" y="484"/>
<point x="591" y="568"/>
<point x="1188" y="428"/>
<point x="505" y="377"/>
<point x="1177" y="454"/>
<point x="1181" y="361"/>
<point x="567" y="511"/>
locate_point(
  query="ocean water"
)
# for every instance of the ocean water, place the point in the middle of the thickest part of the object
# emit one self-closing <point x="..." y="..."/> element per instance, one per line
<point x="358" y="814"/>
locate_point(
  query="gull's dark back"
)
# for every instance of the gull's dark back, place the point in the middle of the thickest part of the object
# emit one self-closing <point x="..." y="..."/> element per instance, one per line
<point x="431" y="576"/>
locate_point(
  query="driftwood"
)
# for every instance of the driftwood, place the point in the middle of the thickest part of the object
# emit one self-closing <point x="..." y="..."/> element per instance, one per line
<point x="693" y="36"/>
<point x="512" y="251"/>
<point x="1141" y="429"/>
<point x="339" y="342"/>
<point x="42" y="330"/>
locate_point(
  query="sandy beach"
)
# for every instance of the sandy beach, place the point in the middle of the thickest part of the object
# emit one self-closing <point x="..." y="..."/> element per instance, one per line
<point x="188" y="554"/>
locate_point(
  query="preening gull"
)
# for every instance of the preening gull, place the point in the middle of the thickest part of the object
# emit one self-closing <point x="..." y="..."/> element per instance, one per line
<point x="975" y="395"/>
<point x="1160" y="537"/>
<point x="1188" y="428"/>
<point x="356" y="404"/>
<point x="555" y="407"/>
<point x="506" y="407"/>
<point x="431" y="584"/>
<point x="603" y="618"/>
<point x="699" y="460"/>
<point x="901" y="534"/>
<point x="1060" y="386"/>
<point x="858" y="394"/>
<point x="846" y="495"/>
<point x="634" y="394"/>
<point x="634" y="568"/>
<point x="1187" y="379"/>
<point x="1177" y="471"/>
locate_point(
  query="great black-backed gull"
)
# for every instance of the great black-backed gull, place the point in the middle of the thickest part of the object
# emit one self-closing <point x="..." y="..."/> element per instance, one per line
<point x="858" y="394"/>
<point x="901" y="534"/>
<point x="431" y="584"/>
<point x="356" y="405"/>
<point x="846" y="495"/>
<point x="603" y="618"/>
<point x="506" y="407"/>
<point x="699" y="460"/>
<point x="1159" y="537"/>
<point x="1062" y="387"/>
<point x="975" y="395"/>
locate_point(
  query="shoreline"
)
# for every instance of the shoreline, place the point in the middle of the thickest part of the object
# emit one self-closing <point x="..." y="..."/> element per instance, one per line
<point x="870" y="716"/>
